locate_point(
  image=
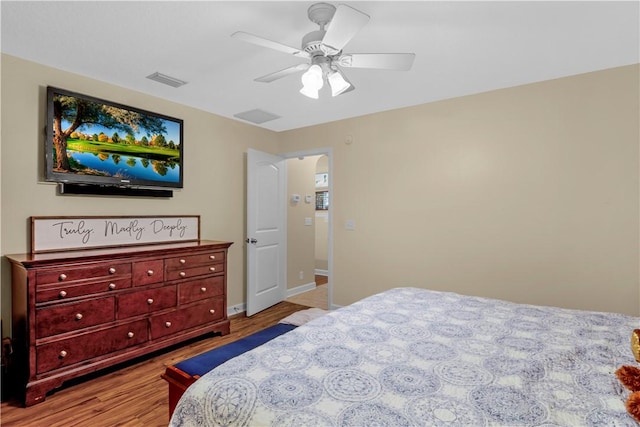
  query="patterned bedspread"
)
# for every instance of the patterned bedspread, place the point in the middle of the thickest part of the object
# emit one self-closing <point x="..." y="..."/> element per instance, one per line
<point x="413" y="357"/>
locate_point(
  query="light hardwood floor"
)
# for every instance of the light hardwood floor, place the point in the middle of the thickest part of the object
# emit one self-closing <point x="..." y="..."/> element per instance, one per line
<point x="317" y="297"/>
<point x="134" y="394"/>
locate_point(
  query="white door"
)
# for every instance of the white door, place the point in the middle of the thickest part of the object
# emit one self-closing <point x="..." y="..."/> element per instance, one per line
<point x="266" y="230"/>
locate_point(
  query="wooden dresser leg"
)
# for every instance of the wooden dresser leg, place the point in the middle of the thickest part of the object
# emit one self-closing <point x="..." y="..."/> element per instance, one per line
<point x="36" y="392"/>
<point x="34" y="396"/>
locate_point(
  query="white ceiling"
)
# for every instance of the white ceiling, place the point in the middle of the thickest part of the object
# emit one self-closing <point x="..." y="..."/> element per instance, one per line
<point x="461" y="48"/>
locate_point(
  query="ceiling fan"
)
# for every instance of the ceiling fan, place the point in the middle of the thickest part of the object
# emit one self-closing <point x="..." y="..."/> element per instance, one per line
<point x="323" y="49"/>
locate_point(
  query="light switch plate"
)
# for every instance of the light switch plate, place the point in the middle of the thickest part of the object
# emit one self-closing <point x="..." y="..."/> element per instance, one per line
<point x="350" y="224"/>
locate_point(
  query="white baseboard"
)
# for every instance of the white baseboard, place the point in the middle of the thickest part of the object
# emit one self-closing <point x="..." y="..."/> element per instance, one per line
<point x="301" y="289"/>
<point x="236" y="309"/>
<point x="241" y="308"/>
<point x="319" y="272"/>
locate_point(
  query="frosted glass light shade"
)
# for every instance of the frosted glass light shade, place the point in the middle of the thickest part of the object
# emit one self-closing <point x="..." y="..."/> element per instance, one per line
<point x="312" y="78"/>
<point x="310" y="92"/>
<point x="338" y="83"/>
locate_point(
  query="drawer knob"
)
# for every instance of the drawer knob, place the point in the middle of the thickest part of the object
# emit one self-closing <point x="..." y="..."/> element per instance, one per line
<point x="79" y="316"/>
<point x="182" y="261"/>
<point x="212" y="268"/>
<point x="62" y="276"/>
<point x="63" y="354"/>
<point x="212" y="257"/>
<point x="167" y="324"/>
<point x="212" y="311"/>
<point x="130" y="334"/>
<point x="183" y="274"/>
<point x="203" y="289"/>
<point x="150" y="301"/>
<point x="112" y="270"/>
<point x="149" y="272"/>
<point x="112" y="286"/>
<point x="62" y="294"/>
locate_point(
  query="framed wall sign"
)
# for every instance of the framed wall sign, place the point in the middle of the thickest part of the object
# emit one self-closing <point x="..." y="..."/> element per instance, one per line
<point x="50" y="234"/>
<point x="322" y="180"/>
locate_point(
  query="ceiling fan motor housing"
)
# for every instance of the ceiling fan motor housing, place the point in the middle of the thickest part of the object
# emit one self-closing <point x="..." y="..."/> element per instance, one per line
<point x="311" y="43"/>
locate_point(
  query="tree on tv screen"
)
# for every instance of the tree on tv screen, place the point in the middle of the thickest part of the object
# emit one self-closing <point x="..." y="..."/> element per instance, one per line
<point x="78" y="112"/>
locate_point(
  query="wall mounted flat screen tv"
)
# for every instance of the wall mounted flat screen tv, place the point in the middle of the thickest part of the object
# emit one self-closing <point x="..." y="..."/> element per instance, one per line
<point x="93" y="141"/>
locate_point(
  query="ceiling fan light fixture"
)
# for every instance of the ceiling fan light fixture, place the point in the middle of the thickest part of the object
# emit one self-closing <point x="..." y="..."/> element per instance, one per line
<point x="313" y="78"/>
<point x="311" y="93"/>
<point x="338" y="83"/>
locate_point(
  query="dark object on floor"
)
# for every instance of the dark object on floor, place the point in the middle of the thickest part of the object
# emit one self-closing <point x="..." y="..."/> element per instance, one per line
<point x="6" y="379"/>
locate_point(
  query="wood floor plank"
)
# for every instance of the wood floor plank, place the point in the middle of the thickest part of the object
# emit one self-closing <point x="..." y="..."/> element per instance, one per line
<point x="133" y="395"/>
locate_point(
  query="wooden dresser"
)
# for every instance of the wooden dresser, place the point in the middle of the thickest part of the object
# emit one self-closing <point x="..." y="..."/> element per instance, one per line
<point x="76" y="312"/>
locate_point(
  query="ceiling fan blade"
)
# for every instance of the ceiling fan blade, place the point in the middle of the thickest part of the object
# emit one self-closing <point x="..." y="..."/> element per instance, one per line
<point x="346" y="22"/>
<point x="261" y="41"/>
<point x="282" y="73"/>
<point x="385" y="61"/>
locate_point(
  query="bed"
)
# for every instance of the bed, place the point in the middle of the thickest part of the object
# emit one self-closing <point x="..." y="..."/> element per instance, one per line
<point x="415" y="357"/>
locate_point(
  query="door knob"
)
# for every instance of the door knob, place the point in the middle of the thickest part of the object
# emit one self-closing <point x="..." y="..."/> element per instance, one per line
<point x="252" y="241"/>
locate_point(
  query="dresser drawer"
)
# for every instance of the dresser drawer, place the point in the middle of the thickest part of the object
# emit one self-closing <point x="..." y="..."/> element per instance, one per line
<point x="86" y="346"/>
<point x="207" y="311"/>
<point x="145" y="302"/>
<point x="186" y="273"/>
<point x="147" y="272"/>
<point x="78" y="289"/>
<point x="87" y="271"/>
<point x="194" y="260"/>
<point x="62" y="318"/>
<point x="195" y="290"/>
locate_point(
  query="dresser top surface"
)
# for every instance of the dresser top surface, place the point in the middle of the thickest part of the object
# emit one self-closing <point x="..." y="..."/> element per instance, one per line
<point x="31" y="259"/>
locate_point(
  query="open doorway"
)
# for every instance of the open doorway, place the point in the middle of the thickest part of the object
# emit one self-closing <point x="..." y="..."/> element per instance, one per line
<point x="309" y="229"/>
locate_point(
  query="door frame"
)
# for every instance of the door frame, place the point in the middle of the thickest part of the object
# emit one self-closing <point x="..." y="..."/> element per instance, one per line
<point x="326" y="151"/>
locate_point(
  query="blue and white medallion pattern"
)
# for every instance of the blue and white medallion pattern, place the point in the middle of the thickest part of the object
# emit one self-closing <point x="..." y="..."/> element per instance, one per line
<point x="325" y="335"/>
<point x="413" y="357"/>
<point x="384" y="354"/>
<point x="232" y="400"/>
<point x="460" y="372"/>
<point x="336" y="356"/>
<point x="508" y="406"/>
<point x="351" y="385"/>
<point x="432" y="350"/>
<point x="303" y="417"/>
<point x="372" y="414"/>
<point x="286" y="359"/>
<point x="409" y="380"/>
<point x="443" y="412"/>
<point x="289" y="391"/>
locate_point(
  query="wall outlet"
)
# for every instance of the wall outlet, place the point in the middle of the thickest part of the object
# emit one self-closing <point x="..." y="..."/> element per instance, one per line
<point x="301" y="274"/>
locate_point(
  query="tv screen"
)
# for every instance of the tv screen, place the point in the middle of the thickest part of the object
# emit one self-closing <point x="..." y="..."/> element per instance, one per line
<point x="93" y="141"/>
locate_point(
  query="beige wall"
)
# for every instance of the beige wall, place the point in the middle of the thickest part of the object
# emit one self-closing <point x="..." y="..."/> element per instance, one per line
<point x="300" y="237"/>
<point x="529" y="194"/>
<point x="214" y="176"/>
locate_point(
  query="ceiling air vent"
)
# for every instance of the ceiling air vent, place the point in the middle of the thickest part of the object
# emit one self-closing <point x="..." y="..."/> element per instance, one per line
<point x="167" y="80"/>
<point x="256" y="116"/>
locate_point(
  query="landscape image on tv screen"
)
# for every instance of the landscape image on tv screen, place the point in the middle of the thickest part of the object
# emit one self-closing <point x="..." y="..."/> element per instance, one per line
<point x="95" y="141"/>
